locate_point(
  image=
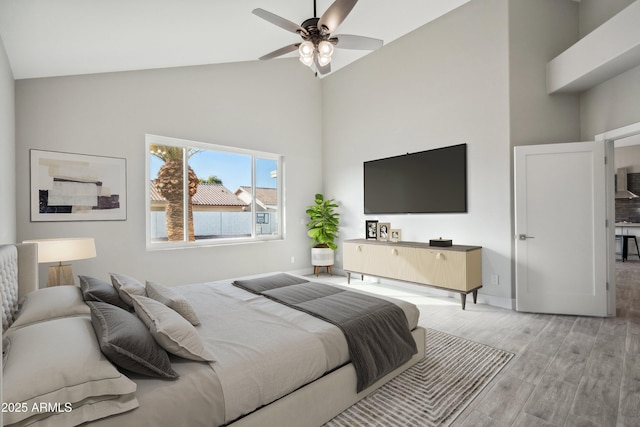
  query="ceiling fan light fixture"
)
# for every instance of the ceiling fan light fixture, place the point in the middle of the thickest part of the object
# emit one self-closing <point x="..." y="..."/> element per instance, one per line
<point x="318" y="44"/>
<point x="307" y="60"/>
<point x="325" y="48"/>
<point x="306" y="49"/>
<point x="323" y="60"/>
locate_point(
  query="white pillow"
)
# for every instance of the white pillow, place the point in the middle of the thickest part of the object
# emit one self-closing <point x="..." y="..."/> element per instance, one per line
<point x="82" y="413"/>
<point x="127" y="286"/>
<point x="60" y="361"/>
<point x="51" y="303"/>
<point x="172" y="299"/>
<point x="172" y="331"/>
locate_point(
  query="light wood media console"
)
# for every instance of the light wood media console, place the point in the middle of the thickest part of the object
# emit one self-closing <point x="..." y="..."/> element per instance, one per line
<point x="455" y="268"/>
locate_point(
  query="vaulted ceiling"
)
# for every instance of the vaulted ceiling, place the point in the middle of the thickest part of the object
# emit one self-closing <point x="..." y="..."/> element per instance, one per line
<point x="45" y="38"/>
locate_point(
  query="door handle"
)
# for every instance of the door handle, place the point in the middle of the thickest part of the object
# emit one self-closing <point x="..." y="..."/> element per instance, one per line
<point x="524" y="237"/>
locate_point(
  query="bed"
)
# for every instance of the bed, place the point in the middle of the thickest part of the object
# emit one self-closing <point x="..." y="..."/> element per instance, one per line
<point x="232" y="357"/>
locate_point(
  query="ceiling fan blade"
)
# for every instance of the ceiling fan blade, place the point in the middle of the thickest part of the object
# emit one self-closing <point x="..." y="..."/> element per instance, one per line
<point x="334" y="15"/>
<point x="280" y="52"/>
<point x="322" y="70"/>
<point x="348" y="41"/>
<point x="279" y="21"/>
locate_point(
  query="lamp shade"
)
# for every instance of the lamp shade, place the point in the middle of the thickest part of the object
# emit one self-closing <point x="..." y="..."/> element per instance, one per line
<point x="64" y="249"/>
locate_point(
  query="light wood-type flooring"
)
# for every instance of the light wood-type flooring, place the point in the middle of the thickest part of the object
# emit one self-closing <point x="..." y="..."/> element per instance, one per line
<point x="567" y="370"/>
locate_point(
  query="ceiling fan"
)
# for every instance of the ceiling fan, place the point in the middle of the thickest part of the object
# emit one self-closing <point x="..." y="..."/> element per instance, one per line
<point x="318" y="43"/>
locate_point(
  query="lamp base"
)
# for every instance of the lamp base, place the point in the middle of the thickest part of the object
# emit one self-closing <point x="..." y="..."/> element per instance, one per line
<point x="60" y="275"/>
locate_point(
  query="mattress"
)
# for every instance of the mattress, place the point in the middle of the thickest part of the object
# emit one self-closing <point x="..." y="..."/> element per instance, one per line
<point x="263" y="350"/>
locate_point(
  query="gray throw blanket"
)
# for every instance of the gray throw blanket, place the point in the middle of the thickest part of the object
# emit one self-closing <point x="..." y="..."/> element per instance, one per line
<point x="377" y="331"/>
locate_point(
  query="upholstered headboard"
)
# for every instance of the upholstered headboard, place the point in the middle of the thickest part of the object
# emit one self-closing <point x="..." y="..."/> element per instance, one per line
<point x="18" y="277"/>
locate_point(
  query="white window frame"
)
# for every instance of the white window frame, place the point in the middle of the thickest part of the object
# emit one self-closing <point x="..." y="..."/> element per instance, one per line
<point x="177" y="142"/>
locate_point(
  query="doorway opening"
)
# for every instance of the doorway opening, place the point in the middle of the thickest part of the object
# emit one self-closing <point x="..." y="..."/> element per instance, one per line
<point x="614" y="140"/>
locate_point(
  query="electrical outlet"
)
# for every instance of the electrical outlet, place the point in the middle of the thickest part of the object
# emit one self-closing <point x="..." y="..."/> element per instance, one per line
<point x="293" y="260"/>
<point x="495" y="279"/>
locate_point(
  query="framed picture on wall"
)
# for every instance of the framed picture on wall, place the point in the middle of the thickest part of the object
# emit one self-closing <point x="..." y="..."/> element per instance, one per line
<point x="395" y="235"/>
<point x="77" y="187"/>
<point x="383" y="231"/>
<point x="371" y="229"/>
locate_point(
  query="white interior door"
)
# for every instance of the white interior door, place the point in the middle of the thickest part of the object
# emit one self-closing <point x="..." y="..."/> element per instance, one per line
<point x="560" y="229"/>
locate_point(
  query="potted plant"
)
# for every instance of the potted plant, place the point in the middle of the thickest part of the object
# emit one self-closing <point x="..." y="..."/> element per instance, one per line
<point x="323" y="230"/>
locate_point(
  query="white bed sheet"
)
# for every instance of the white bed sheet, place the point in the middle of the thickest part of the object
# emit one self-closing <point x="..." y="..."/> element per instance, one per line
<point x="263" y="350"/>
<point x="259" y="356"/>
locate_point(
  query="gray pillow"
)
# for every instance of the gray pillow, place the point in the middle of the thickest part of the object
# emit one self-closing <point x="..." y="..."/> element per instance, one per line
<point x="98" y="290"/>
<point x="127" y="342"/>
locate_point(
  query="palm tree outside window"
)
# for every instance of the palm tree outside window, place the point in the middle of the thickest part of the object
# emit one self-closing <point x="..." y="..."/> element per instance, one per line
<point x="227" y="196"/>
<point x="170" y="185"/>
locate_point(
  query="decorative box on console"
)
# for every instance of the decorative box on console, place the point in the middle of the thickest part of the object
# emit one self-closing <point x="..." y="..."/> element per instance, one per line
<point x="443" y="243"/>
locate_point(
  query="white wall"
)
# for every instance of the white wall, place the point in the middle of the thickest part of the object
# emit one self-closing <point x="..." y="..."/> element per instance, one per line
<point x="538" y="32"/>
<point x="444" y="84"/>
<point x="611" y="105"/>
<point x="268" y="106"/>
<point x="594" y="13"/>
<point x="7" y="148"/>
<point x="628" y="157"/>
<point x="614" y="103"/>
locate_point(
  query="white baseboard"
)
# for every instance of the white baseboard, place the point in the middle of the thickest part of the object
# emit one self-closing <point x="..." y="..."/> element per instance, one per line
<point x="302" y="272"/>
<point x="494" y="301"/>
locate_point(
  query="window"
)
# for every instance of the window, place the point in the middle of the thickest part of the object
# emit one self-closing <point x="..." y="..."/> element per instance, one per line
<point x="203" y="194"/>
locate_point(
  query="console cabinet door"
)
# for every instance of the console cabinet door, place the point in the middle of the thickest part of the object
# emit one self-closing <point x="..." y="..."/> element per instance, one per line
<point x="376" y="260"/>
<point x="352" y="258"/>
<point x="446" y="269"/>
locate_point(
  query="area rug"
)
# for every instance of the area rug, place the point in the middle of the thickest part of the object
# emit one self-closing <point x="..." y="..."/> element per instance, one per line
<point x="434" y="391"/>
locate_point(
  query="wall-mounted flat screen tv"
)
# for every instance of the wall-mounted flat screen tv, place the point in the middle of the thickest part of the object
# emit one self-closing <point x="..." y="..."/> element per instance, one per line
<point x="432" y="181"/>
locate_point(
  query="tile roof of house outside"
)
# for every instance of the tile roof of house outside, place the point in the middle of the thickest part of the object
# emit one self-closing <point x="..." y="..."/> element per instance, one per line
<point x="207" y="195"/>
<point x="268" y="196"/>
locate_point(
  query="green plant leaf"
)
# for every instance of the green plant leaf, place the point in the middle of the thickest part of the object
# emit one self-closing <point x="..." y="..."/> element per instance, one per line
<point x="323" y="221"/>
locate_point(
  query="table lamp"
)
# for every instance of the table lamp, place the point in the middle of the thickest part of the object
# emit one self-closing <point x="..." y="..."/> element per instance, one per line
<point x="63" y="249"/>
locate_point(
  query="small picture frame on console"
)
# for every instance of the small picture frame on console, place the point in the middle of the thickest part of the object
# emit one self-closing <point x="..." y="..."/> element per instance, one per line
<point x="383" y="231"/>
<point x="395" y="235"/>
<point x="371" y="229"/>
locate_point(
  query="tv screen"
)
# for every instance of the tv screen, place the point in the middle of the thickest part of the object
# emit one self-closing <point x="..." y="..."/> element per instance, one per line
<point x="432" y="181"/>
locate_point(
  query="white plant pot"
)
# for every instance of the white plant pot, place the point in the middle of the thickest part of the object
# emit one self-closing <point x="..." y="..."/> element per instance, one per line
<point x="322" y="257"/>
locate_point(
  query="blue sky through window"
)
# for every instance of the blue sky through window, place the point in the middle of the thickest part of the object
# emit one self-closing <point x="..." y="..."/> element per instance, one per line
<point x="233" y="169"/>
